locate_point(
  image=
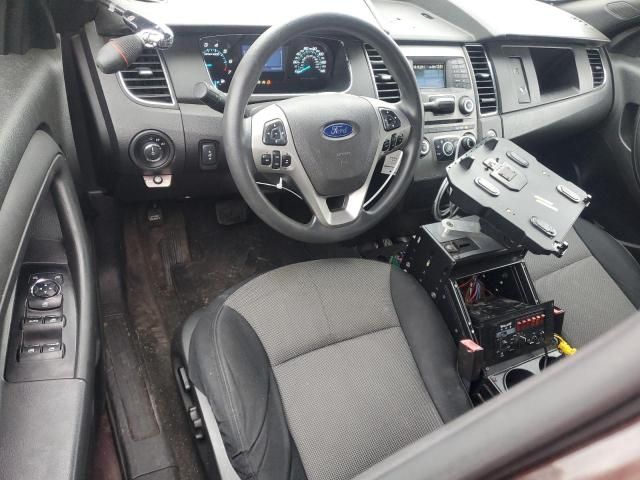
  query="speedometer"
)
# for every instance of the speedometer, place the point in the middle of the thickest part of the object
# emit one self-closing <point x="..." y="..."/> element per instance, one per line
<point x="310" y="62"/>
<point x="218" y="63"/>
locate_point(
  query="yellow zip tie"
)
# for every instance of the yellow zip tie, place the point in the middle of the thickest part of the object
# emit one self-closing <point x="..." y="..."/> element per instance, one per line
<point x="564" y="346"/>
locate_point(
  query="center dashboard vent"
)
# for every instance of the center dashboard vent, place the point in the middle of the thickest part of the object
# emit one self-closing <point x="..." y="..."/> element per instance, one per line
<point x="146" y="79"/>
<point x="483" y="75"/>
<point x="385" y="84"/>
<point x="597" y="68"/>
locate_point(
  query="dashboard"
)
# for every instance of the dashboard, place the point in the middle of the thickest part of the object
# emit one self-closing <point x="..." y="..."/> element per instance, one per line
<point x="304" y="65"/>
<point x="480" y="74"/>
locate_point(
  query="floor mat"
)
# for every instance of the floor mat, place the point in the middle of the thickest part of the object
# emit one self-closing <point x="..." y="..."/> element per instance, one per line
<point x="180" y="264"/>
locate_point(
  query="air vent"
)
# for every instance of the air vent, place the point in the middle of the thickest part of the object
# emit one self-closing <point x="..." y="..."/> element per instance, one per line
<point x="597" y="69"/>
<point x="385" y="83"/>
<point x="484" y="79"/>
<point x="146" y="79"/>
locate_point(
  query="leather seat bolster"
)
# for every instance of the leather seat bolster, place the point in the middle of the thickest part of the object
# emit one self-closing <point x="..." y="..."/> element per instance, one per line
<point x="621" y="266"/>
<point x="233" y="371"/>
<point x="421" y="323"/>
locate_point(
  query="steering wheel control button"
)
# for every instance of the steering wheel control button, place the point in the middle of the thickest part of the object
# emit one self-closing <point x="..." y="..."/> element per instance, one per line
<point x="274" y="133"/>
<point x="45" y="288"/>
<point x="286" y="160"/>
<point x="276" y="160"/>
<point x="390" y="120"/>
<point x="524" y="163"/>
<point x="386" y="145"/>
<point x="570" y="194"/>
<point x="543" y="226"/>
<point x="487" y="186"/>
<point x="265" y="159"/>
<point x="399" y="140"/>
<point x="394" y="141"/>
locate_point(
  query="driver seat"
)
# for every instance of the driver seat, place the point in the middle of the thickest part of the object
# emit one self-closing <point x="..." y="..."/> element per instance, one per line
<point x="321" y="369"/>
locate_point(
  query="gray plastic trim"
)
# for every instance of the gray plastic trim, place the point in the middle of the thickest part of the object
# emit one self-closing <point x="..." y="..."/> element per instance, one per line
<point x="223" y="462"/>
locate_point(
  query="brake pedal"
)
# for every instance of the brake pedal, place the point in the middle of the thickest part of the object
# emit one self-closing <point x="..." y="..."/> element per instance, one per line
<point x="231" y="212"/>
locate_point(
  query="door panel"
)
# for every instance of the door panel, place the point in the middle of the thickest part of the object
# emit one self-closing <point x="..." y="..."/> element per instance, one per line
<point x="47" y="400"/>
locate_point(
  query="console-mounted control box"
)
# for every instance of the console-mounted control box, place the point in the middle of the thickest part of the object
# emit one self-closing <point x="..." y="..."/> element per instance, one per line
<point x="507" y="320"/>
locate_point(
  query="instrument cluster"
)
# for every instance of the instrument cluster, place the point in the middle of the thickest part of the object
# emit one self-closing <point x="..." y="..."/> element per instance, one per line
<point x="303" y="65"/>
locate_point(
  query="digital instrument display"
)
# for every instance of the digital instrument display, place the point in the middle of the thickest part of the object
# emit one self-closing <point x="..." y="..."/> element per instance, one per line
<point x="429" y="75"/>
<point x="275" y="62"/>
<point x="305" y="64"/>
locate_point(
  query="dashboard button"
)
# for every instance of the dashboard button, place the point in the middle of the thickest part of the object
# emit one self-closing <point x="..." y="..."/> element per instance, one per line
<point x="274" y="133"/>
<point x="209" y="155"/>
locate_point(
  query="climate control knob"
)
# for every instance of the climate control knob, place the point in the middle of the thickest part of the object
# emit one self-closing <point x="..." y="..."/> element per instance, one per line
<point x="466" y="105"/>
<point x="448" y="148"/>
<point x="468" y="142"/>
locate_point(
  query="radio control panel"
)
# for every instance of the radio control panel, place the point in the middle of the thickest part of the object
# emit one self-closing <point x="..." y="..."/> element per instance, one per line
<point x="444" y="77"/>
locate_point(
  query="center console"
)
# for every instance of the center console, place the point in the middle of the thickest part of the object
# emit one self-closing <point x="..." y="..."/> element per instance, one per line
<point x="450" y="117"/>
<point x="473" y="267"/>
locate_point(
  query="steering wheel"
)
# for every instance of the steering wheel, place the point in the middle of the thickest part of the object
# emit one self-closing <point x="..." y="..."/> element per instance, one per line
<point x="329" y="143"/>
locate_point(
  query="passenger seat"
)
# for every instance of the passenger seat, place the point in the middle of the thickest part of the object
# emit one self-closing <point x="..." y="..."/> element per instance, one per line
<point x="597" y="282"/>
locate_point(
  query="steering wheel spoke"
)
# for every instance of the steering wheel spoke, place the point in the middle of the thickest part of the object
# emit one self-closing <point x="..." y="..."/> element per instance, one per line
<point x="274" y="152"/>
<point x="394" y="126"/>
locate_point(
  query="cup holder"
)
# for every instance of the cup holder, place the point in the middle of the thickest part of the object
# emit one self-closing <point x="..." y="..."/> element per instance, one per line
<point x="515" y="376"/>
<point x="549" y="361"/>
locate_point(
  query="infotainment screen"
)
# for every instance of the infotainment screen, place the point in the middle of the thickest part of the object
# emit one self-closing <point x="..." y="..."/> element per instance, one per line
<point x="429" y="75"/>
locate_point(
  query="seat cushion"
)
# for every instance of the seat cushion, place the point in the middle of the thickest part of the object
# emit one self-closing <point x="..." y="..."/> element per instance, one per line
<point x="597" y="282"/>
<point x="321" y="369"/>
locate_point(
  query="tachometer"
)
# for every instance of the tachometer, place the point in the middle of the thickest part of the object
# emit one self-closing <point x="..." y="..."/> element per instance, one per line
<point x="219" y="65"/>
<point x="310" y="62"/>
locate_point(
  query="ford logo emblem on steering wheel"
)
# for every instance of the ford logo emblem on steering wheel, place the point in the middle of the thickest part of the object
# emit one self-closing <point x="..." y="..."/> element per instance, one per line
<point x="338" y="130"/>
